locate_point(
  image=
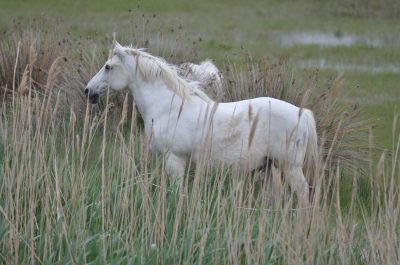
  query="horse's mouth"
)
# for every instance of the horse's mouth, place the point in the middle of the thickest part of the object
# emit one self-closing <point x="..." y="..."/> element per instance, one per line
<point x="94" y="99"/>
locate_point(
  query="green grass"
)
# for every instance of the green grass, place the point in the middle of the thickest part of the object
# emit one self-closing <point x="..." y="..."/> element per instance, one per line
<point x="64" y="201"/>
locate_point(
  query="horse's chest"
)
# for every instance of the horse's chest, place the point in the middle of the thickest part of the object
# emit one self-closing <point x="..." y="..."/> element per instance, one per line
<point x="168" y="136"/>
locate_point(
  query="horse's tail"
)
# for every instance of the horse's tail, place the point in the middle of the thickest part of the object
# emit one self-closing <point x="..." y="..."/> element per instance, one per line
<point x="312" y="156"/>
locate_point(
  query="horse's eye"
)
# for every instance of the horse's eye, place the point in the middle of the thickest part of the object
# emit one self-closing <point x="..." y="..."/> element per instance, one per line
<point x="107" y="67"/>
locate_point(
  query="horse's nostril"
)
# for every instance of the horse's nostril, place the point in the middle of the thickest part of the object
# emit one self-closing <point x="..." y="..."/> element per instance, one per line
<point x="86" y="91"/>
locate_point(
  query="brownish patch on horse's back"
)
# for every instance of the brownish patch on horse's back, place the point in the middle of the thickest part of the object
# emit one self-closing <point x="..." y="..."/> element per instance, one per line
<point x="250" y="112"/>
<point x="252" y="130"/>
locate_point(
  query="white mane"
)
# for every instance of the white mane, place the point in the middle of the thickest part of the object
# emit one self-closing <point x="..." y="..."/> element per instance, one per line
<point x="153" y="68"/>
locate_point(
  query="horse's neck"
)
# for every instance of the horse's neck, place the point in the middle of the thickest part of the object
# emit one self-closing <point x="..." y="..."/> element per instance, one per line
<point x="153" y="98"/>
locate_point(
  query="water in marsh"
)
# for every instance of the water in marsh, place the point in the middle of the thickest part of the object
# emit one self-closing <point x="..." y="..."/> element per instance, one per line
<point x="324" y="64"/>
<point x="328" y="39"/>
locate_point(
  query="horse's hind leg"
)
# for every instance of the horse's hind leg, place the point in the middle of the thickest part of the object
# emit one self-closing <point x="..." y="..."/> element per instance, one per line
<point x="175" y="166"/>
<point x="298" y="183"/>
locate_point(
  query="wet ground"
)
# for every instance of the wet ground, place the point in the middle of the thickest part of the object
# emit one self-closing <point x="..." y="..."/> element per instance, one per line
<point x="338" y="39"/>
<point x="328" y="39"/>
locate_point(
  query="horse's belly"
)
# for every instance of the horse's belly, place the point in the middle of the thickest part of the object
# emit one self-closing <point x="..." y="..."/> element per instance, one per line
<point x="239" y="153"/>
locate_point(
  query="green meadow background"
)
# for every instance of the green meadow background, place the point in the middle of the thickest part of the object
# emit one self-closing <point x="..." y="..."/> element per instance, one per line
<point x="78" y="184"/>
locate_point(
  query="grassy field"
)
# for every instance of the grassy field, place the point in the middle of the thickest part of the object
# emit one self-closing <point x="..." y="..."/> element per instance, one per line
<point x="262" y="29"/>
<point x="79" y="185"/>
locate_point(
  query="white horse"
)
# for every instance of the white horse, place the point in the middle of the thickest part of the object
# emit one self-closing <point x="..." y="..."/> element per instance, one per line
<point x="181" y="121"/>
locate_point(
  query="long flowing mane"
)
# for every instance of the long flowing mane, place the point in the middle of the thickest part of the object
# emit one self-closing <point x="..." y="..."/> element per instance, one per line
<point x="153" y="68"/>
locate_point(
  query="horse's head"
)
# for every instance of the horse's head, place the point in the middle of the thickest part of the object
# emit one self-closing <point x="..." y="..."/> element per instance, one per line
<point x="113" y="76"/>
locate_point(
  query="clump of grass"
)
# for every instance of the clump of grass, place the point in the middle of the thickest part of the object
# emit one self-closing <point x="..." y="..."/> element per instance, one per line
<point x="40" y="64"/>
<point x="36" y="64"/>
<point x="25" y="54"/>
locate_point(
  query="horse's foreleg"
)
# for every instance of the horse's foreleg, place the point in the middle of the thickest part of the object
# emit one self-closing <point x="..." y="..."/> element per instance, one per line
<point x="298" y="183"/>
<point x="175" y="166"/>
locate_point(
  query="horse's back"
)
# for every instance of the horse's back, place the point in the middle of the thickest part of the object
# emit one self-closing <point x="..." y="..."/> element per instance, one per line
<point x="256" y="128"/>
<point x="268" y="108"/>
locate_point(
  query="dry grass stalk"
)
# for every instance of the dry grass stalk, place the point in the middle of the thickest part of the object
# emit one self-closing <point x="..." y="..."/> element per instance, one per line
<point x="32" y="55"/>
<point x="337" y="86"/>
<point x="15" y="66"/>
<point x="55" y="69"/>
<point x="24" y="84"/>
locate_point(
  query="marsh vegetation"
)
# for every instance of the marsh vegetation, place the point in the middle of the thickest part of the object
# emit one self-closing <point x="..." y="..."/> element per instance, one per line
<point x="78" y="183"/>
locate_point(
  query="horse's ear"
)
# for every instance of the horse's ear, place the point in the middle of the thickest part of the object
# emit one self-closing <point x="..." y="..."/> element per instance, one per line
<point x="118" y="49"/>
<point x="117" y="45"/>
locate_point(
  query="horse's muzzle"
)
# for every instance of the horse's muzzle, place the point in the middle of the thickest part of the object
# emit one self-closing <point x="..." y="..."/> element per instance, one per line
<point x="93" y="98"/>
